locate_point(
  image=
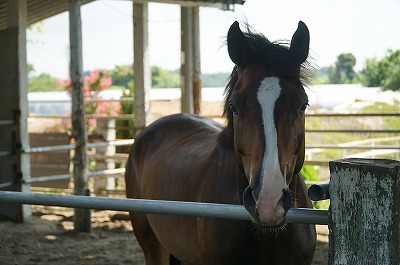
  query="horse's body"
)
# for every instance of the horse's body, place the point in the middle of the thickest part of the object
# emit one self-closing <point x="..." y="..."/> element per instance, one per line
<point x="191" y="158"/>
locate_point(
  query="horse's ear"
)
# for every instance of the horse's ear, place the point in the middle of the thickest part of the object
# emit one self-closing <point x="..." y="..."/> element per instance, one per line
<point x="237" y="47"/>
<point x="300" y="43"/>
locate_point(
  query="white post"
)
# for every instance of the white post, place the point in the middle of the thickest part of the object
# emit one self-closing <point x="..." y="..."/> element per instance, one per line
<point x="186" y="60"/>
<point x="106" y="128"/>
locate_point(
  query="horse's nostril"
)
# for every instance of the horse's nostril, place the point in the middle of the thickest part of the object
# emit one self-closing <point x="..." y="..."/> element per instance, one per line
<point x="249" y="201"/>
<point x="286" y="200"/>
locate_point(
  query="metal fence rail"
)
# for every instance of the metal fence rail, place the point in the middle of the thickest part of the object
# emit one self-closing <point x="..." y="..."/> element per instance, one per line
<point x="72" y="146"/>
<point x="227" y="211"/>
<point x="106" y="172"/>
<point x="6" y="122"/>
<point x="370" y="114"/>
<point x="349" y="131"/>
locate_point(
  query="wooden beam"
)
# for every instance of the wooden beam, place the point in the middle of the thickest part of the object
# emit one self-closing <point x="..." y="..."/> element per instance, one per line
<point x="79" y="132"/>
<point x="196" y="61"/>
<point x="141" y="66"/>
<point x="186" y="60"/>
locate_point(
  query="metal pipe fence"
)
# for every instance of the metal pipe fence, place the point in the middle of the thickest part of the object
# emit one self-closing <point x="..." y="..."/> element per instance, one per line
<point x="339" y="146"/>
<point x="6" y="122"/>
<point x="350" y="131"/>
<point x="87" y="100"/>
<point x="100" y="173"/>
<point x="89" y="116"/>
<point x="211" y="210"/>
<point x="72" y="146"/>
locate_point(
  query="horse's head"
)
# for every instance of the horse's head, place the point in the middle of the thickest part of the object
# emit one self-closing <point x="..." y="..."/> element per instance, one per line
<point x="265" y="104"/>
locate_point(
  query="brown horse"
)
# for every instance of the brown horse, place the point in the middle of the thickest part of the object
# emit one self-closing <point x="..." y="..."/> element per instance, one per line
<point x="255" y="161"/>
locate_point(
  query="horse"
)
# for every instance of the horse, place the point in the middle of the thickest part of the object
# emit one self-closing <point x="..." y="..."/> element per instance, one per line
<point x="253" y="160"/>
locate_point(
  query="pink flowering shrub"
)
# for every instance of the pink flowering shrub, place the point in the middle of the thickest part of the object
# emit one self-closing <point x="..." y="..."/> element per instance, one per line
<point x="93" y="84"/>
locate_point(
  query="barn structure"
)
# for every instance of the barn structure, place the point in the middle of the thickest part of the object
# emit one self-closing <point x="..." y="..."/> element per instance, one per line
<point x="15" y="16"/>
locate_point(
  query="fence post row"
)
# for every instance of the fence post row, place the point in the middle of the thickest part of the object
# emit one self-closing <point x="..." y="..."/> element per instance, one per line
<point x="365" y="212"/>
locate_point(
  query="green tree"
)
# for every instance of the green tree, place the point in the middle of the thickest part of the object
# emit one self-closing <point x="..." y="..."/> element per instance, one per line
<point x="343" y="70"/>
<point x="373" y="75"/>
<point x="162" y="78"/>
<point x="215" y="79"/>
<point x="43" y="83"/>
<point x="384" y="73"/>
<point x="122" y="75"/>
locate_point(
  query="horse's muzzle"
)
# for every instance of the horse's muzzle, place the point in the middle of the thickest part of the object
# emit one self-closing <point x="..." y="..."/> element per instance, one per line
<point x="275" y="218"/>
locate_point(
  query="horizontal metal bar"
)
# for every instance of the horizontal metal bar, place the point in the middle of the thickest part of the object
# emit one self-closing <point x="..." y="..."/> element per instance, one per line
<point x="111" y="143"/>
<point x="312" y="182"/>
<point x="316" y="163"/>
<point x="350" y="131"/>
<point x="7" y="184"/>
<point x="107" y="172"/>
<point x="31" y="150"/>
<point x="72" y="146"/>
<point x="86" y="100"/>
<point x="116" y="117"/>
<point x="5" y="153"/>
<point x="89" y="100"/>
<point x="394" y="114"/>
<point x="47" y="178"/>
<point x="6" y="122"/>
<point x="319" y="192"/>
<point x="120" y="157"/>
<point x="338" y="146"/>
<point x="213" y="210"/>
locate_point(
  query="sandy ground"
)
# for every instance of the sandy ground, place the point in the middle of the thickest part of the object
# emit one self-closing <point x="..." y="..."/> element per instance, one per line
<point x="49" y="239"/>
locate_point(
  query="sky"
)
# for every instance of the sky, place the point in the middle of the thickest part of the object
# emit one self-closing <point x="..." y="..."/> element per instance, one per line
<point x="365" y="28"/>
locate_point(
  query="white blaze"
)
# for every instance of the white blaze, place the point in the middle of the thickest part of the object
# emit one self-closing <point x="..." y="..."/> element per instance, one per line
<point x="271" y="179"/>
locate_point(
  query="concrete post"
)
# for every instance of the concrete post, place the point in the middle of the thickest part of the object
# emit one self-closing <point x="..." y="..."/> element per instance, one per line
<point x="365" y="212"/>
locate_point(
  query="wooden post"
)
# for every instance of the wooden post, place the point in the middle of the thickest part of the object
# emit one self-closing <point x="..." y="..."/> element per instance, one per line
<point x="365" y="212"/>
<point x="196" y="61"/>
<point x="186" y="60"/>
<point x="79" y="133"/>
<point x="14" y="165"/>
<point x="141" y="65"/>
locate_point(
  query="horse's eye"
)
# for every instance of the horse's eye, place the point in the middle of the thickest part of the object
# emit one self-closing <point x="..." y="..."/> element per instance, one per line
<point x="233" y="109"/>
<point x="303" y="108"/>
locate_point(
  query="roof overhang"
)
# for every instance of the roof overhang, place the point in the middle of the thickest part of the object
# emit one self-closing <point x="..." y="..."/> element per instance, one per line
<point x="222" y="4"/>
<point x="38" y="10"/>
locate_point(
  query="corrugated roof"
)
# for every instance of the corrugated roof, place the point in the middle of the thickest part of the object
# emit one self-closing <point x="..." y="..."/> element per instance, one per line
<point x="42" y="9"/>
<point x="38" y="10"/>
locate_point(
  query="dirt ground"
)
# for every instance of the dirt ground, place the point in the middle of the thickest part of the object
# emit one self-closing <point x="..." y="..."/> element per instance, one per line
<point x="50" y="240"/>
